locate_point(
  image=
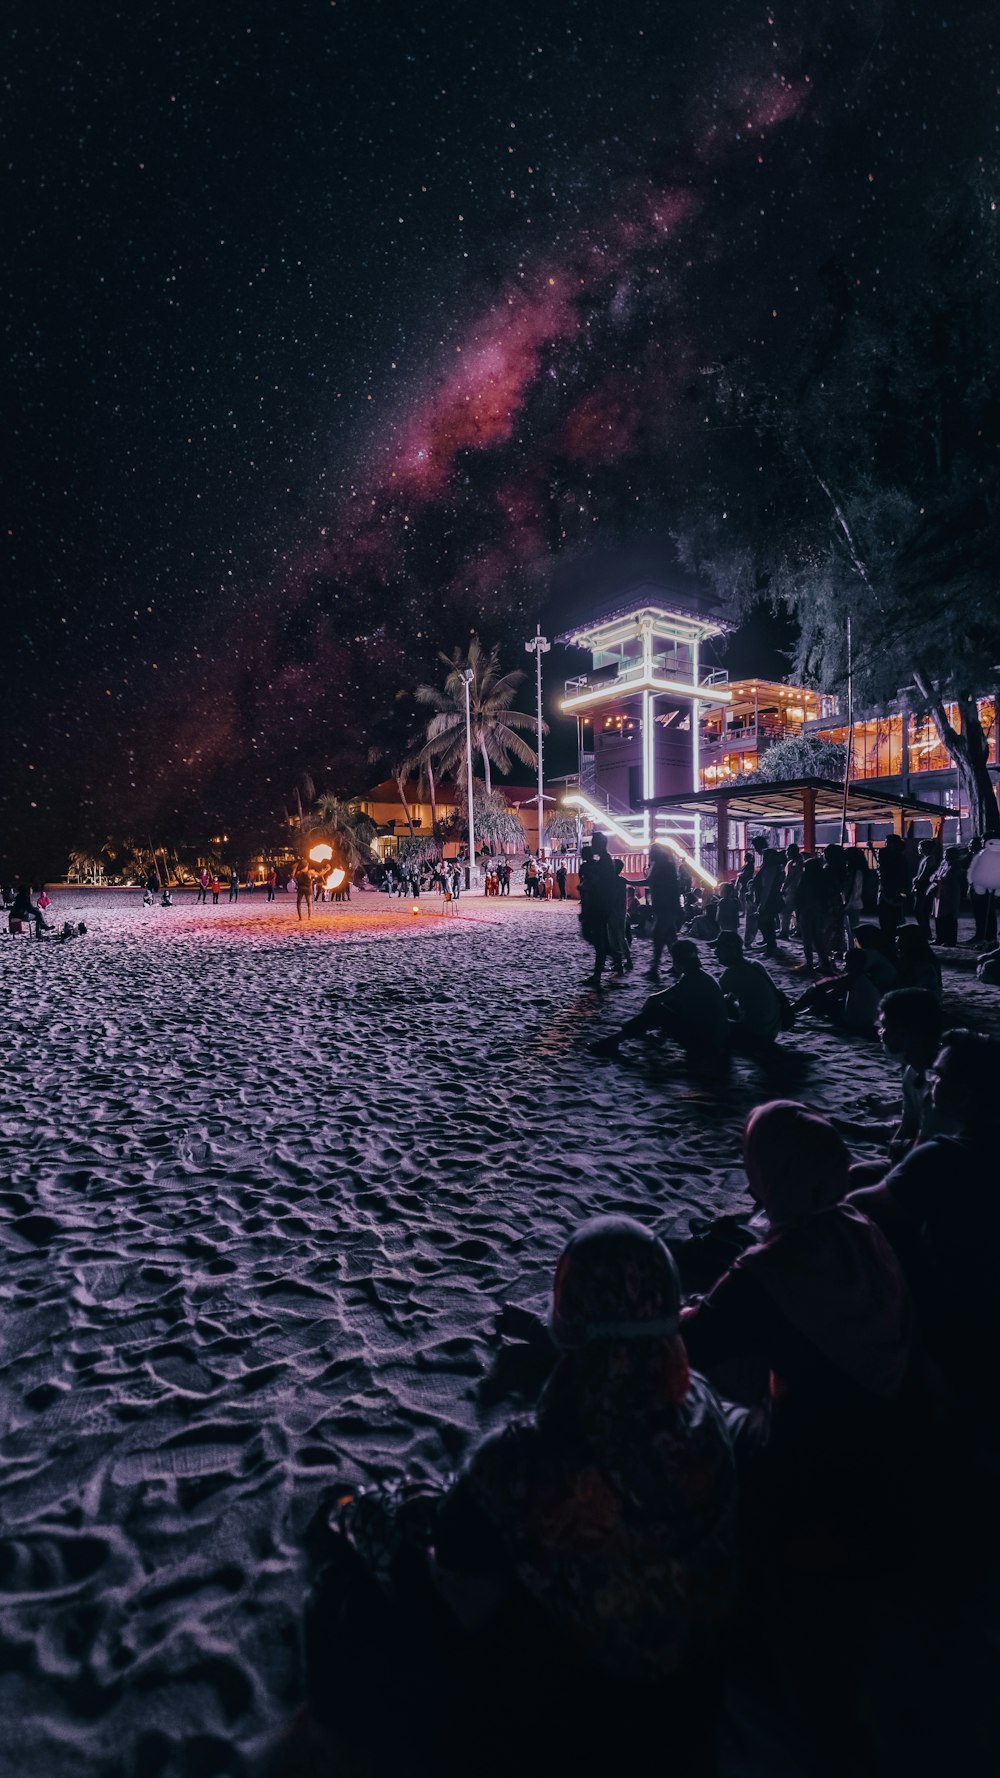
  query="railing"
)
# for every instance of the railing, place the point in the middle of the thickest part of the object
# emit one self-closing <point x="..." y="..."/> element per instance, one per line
<point x="664" y="666"/>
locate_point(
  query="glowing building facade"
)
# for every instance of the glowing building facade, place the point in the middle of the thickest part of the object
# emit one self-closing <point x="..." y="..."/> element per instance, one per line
<point x="652" y="722"/>
<point x="639" y="710"/>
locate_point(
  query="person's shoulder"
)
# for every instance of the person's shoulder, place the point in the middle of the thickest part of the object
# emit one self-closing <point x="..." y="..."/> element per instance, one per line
<point x="928" y="1164"/>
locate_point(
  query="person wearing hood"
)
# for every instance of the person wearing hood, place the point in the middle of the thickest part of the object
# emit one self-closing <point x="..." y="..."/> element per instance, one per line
<point x="819" y="1306"/>
<point x="593" y="1538"/>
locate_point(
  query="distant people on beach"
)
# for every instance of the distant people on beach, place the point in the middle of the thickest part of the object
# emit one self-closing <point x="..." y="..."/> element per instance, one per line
<point x="790" y="881"/>
<point x="204" y="885"/>
<point x="893" y="884"/>
<point x="234" y="885"/>
<point x="947" y="884"/>
<point x="599" y="901"/>
<point x="272" y="883"/>
<point x="26" y="912"/>
<point x="303" y="890"/>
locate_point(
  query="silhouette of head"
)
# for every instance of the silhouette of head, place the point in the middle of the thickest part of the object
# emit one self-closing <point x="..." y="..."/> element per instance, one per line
<point x="965" y="1075"/>
<point x="909" y="1024"/>
<point x="685" y="956"/>
<point x="615" y="1280"/>
<point x="797" y="1164"/>
<point x="729" y="947"/>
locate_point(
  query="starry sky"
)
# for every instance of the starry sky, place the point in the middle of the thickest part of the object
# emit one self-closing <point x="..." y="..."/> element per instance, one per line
<point x="336" y="330"/>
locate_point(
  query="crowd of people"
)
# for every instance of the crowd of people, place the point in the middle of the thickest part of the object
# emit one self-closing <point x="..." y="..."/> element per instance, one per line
<point x="740" y="1448"/>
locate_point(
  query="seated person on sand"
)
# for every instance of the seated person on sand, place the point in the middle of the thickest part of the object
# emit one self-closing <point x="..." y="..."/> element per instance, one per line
<point x="850" y="1000"/>
<point x="705" y="925"/>
<point x="692" y="1012"/>
<point x="910" y="1022"/>
<point x="592" y="1538"/>
<point x="880" y="957"/>
<point x="729" y="908"/>
<point x="818" y="1313"/>
<point x="917" y="966"/>
<point x="23" y="908"/>
<point x="940" y="1207"/>
<point x="753" y="1003"/>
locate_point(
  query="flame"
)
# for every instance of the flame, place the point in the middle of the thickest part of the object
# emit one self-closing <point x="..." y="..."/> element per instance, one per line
<point x="320" y="854"/>
<point x="335" y="879"/>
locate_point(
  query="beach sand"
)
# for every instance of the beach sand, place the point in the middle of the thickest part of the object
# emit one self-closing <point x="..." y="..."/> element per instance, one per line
<point x="262" y="1189"/>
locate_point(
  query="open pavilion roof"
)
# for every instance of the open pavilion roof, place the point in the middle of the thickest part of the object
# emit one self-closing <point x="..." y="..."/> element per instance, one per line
<point x="783" y="802"/>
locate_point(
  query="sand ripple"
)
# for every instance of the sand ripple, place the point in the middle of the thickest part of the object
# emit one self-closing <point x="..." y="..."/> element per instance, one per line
<point x="261" y="1190"/>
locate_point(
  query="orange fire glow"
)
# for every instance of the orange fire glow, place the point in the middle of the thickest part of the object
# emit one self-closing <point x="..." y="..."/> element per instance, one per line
<point x="335" y="879"/>
<point x="320" y="854"/>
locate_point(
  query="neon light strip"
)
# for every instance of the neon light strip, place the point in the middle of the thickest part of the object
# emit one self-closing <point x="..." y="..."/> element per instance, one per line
<point x="602" y="819"/>
<point x="699" y="694"/>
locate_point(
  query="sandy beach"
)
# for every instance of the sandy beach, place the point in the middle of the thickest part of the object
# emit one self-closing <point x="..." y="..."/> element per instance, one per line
<point x="263" y="1188"/>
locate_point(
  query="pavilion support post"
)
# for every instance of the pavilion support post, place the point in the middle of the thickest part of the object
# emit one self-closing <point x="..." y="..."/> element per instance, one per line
<point x="808" y="819"/>
<point x="722" y="842"/>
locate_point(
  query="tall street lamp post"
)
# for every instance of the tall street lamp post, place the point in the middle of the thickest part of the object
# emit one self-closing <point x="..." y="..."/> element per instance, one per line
<point x="539" y="646"/>
<point x="468" y="677"/>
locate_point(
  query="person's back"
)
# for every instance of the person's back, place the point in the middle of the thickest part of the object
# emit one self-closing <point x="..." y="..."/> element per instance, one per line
<point x="664" y="885"/>
<point x="862" y="999"/>
<point x="699" y="1000"/>
<point x="941" y="1205"/>
<point x="615" y="1501"/>
<point x="820" y="1304"/>
<point x="729" y="909"/>
<point x="756" y="996"/>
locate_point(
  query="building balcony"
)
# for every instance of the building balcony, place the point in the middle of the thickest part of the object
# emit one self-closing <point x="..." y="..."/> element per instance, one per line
<point x="666" y="673"/>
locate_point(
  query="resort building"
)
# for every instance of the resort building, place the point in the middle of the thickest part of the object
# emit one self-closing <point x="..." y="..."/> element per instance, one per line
<point x="664" y="746"/>
<point x="397" y="819"/>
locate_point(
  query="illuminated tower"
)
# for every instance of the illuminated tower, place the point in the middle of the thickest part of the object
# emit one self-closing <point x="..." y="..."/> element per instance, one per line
<point x="638" y="711"/>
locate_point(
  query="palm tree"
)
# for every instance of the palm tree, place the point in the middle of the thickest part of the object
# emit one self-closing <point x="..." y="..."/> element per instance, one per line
<point x="401" y="771"/>
<point x="495" y="725"/>
<point x="347" y="827"/>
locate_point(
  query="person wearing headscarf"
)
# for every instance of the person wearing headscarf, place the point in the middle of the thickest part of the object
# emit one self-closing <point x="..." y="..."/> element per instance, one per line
<point x="595" y="1534"/>
<point x="818" y="1308"/>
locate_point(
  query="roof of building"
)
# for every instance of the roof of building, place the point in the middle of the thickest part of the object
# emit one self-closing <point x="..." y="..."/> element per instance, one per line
<point x="688" y="612"/>
<point x="445" y="792"/>
<point x="782" y="801"/>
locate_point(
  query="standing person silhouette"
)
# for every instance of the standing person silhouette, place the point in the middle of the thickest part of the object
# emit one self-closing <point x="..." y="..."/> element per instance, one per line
<point x="303" y="890"/>
<point x="893" y="884"/>
<point x="599" y="904"/>
<point x="665" y="898"/>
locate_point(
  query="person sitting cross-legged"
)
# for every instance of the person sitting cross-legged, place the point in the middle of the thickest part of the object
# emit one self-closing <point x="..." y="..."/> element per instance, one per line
<point x="692" y="1012"/>
<point x="755" y="1005"/>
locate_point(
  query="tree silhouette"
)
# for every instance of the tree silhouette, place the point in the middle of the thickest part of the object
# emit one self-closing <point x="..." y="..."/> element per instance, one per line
<point x="496" y="735"/>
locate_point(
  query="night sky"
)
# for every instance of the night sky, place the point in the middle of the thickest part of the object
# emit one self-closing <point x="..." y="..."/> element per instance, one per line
<point x="335" y="330"/>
